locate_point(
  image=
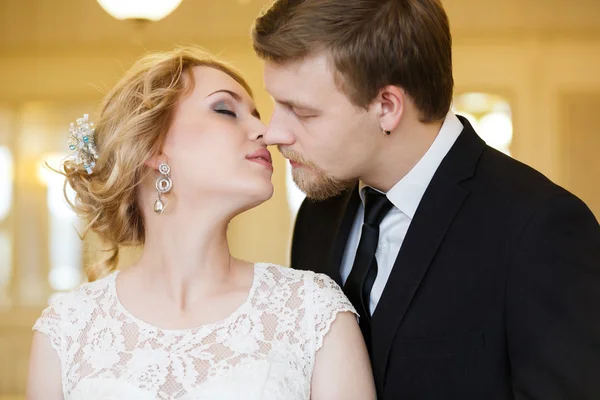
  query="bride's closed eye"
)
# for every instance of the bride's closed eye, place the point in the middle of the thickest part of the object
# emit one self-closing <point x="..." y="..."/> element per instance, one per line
<point x="223" y="108"/>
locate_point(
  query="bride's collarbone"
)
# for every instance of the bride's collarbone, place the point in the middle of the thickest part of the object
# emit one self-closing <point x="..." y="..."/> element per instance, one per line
<point x="161" y="310"/>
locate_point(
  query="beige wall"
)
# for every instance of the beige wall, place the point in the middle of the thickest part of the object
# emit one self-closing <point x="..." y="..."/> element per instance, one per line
<point x="531" y="73"/>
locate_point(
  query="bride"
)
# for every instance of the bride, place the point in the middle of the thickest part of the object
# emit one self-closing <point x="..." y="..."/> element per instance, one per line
<point x="176" y="154"/>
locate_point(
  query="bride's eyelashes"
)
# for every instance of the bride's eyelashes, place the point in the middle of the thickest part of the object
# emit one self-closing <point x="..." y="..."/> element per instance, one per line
<point x="223" y="108"/>
<point x="227" y="112"/>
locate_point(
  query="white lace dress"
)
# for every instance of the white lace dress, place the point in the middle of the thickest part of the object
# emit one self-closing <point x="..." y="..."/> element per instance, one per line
<point x="264" y="350"/>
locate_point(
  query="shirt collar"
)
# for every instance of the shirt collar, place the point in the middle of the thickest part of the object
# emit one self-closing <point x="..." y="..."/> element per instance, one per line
<point x="408" y="192"/>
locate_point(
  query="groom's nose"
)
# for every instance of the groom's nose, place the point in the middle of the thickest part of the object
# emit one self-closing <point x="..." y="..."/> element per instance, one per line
<point x="278" y="131"/>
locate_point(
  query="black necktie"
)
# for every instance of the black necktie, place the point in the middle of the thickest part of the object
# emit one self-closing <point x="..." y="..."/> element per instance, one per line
<point x="364" y="270"/>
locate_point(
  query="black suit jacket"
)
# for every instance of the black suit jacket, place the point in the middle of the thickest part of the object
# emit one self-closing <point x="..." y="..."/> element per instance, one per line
<point x="495" y="293"/>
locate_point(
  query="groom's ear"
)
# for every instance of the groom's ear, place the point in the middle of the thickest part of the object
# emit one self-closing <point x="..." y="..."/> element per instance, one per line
<point x="391" y="107"/>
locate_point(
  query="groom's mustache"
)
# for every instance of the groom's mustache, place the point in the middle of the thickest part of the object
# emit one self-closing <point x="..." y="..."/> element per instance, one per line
<point x="294" y="156"/>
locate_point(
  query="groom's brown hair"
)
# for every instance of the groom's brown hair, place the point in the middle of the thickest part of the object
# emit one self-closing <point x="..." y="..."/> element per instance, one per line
<point x="371" y="43"/>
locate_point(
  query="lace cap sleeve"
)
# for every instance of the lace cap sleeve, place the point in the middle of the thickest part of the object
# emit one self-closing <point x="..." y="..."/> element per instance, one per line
<point x="50" y="323"/>
<point x="328" y="301"/>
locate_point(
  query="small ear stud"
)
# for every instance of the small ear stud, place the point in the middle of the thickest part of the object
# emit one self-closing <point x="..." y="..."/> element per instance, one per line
<point x="386" y="132"/>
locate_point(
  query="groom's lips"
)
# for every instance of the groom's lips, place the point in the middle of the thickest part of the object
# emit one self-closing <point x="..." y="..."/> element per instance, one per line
<point x="295" y="164"/>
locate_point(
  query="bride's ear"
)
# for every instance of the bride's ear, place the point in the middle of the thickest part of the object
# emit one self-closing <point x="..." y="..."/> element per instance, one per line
<point x="154" y="161"/>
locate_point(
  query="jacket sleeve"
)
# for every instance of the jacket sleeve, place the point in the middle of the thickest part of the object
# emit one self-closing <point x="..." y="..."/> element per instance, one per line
<point x="553" y="302"/>
<point x="299" y="239"/>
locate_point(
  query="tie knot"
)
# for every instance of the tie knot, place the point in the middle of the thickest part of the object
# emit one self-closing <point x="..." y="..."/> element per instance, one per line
<point x="377" y="206"/>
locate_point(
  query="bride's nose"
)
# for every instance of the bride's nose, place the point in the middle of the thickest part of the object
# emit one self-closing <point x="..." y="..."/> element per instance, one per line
<point x="257" y="131"/>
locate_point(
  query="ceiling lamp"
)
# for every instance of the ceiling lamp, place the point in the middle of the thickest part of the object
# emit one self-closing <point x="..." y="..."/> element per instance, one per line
<point x="149" y="10"/>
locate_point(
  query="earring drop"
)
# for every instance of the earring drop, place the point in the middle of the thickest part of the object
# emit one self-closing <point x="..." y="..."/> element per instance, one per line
<point x="163" y="186"/>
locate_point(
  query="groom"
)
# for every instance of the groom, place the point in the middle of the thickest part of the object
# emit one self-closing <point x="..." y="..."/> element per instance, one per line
<point x="474" y="275"/>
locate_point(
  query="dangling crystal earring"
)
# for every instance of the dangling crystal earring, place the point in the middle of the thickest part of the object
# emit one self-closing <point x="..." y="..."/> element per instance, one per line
<point x="163" y="186"/>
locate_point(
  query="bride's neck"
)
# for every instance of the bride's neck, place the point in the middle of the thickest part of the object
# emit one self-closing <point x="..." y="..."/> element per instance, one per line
<point x="184" y="249"/>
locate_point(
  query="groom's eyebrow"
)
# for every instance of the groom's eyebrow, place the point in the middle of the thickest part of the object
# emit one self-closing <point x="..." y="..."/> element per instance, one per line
<point x="297" y="104"/>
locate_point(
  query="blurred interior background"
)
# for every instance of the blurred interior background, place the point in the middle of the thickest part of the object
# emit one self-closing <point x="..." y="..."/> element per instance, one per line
<point x="527" y="75"/>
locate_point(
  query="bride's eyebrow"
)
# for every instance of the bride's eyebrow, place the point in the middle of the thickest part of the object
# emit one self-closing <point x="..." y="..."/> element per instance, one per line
<point x="237" y="98"/>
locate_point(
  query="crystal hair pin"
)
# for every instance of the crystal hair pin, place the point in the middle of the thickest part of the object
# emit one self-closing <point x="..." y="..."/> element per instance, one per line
<point x="82" y="143"/>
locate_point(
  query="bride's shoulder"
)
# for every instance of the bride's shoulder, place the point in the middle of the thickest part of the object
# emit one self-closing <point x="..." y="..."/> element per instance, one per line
<point x="84" y="294"/>
<point x="278" y="275"/>
<point x="68" y="310"/>
<point x="96" y="288"/>
<point x="319" y="296"/>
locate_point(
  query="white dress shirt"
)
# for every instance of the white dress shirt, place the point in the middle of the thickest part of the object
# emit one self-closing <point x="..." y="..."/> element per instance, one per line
<point x="405" y="196"/>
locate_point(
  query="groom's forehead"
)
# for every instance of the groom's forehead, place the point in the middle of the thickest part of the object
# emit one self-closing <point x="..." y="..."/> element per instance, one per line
<point x="298" y="79"/>
<point x="310" y="67"/>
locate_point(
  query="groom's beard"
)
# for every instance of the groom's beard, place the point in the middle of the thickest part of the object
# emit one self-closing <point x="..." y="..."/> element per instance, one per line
<point x="312" y="180"/>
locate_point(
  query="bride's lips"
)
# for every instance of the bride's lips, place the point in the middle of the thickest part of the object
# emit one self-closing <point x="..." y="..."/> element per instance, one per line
<point x="261" y="156"/>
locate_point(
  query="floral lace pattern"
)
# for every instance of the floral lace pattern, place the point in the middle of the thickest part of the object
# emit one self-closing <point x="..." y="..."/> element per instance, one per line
<point x="264" y="350"/>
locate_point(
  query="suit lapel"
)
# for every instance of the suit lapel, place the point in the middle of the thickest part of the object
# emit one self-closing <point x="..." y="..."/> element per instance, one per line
<point x="440" y="204"/>
<point x="343" y="226"/>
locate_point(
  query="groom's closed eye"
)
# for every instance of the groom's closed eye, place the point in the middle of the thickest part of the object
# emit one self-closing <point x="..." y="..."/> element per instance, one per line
<point x="300" y="110"/>
<point x="302" y="116"/>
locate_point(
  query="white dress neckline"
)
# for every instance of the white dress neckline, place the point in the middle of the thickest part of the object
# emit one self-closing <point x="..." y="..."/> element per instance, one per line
<point x="212" y="325"/>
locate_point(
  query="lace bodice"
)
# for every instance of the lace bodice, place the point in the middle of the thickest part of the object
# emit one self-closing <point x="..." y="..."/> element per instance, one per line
<point x="264" y="350"/>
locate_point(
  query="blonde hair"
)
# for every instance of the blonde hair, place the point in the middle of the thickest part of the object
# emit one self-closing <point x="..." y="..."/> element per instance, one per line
<point x="132" y="126"/>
